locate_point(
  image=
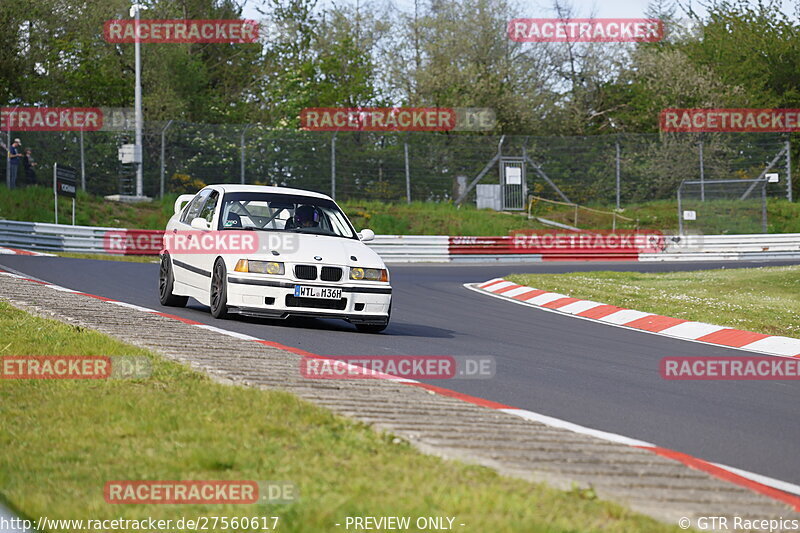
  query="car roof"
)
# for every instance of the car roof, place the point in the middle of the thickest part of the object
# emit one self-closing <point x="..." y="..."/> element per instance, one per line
<point x="267" y="189"/>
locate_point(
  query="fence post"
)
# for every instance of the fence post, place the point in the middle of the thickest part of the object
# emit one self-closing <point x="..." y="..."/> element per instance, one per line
<point x="702" y="174"/>
<point x="789" y="169"/>
<point x="680" y="211"/>
<point x="163" y="150"/>
<point x="83" y="169"/>
<point x="333" y="166"/>
<point x="8" y="159"/>
<point x="408" y="174"/>
<point x="764" y="208"/>
<point x="618" y="182"/>
<point x="244" y="131"/>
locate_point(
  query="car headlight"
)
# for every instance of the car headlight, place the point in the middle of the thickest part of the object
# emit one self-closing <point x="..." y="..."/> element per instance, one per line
<point x="260" y="267"/>
<point x="369" y="274"/>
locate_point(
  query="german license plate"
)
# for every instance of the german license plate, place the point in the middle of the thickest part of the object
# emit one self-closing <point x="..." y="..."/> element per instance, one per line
<point x="327" y="293"/>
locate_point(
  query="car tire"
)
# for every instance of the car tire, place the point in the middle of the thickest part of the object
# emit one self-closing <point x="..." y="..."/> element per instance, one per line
<point x="375" y="328"/>
<point x="372" y="328"/>
<point x="166" y="283"/>
<point x="219" y="291"/>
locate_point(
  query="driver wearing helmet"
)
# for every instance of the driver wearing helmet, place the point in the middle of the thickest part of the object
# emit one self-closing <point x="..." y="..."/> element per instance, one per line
<point x="306" y="217"/>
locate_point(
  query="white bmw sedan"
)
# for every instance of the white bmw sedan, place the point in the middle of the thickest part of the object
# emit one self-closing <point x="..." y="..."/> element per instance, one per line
<point x="272" y="252"/>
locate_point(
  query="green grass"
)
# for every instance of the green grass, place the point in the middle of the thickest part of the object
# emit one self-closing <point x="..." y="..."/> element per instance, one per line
<point x="720" y="217"/>
<point x="112" y="257"/>
<point x="427" y="218"/>
<point x="62" y="440"/>
<point x="35" y="204"/>
<point x="756" y="299"/>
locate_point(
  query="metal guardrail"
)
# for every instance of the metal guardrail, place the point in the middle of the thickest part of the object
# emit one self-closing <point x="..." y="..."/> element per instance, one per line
<point x="42" y="237"/>
<point x="412" y="248"/>
<point x="729" y="247"/>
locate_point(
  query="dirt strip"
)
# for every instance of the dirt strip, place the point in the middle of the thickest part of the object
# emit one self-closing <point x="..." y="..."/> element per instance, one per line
<point x="435" y="424"/>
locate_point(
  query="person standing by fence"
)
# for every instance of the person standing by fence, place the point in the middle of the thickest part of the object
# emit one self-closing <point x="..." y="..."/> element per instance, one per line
<point x="30" y="168"/>
<point x="14" y="155"/>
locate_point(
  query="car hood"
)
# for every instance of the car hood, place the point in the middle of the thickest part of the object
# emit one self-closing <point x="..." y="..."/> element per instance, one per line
<point x="305" y="248"/>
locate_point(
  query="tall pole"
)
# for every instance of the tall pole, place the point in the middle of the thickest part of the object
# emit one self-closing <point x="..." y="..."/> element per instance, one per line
<point x="55" y="193"/>
<point x="618" y="176"/>
<point x="8" y="158"/>
<point x="138" y="100"/>
<point x="244" y="131"/>
<point x="83" y="168"/>
<point x="764" y="208"/>
<point x="163" y="149"/>
<point x="789" y="170"/>
<point x="408" y="174"/>
<point x="702" y="175"/>
<point x="680" y="211"/>
<point x="333" y="166"/>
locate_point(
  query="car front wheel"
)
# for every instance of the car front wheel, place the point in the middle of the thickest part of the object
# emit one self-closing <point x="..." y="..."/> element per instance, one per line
<point x="375" y="328"/>
<point x="372" y="328"/>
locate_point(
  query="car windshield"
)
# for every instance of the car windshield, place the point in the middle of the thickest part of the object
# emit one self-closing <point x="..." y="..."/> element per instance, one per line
<point x="283" y="212"/>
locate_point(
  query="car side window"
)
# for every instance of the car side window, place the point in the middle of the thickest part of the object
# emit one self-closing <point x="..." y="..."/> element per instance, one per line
<point x="194" y="206"/>
<point x="207" y="212"/>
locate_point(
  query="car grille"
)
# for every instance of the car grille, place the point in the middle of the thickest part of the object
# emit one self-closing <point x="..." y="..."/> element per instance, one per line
<point x="305" y="271"/>
<point x="315" y="303"/>
<point x="331" y="274"/>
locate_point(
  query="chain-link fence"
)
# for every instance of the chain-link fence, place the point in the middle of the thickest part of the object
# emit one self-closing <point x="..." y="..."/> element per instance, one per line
<point x="723" y="206"/>
<point x="609" y="171"/>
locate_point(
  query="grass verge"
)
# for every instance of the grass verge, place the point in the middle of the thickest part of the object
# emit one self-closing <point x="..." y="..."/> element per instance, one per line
<point x="111" y="257"/>
<point x="428" y="218"/>
<point x="62" y="440"/>
<point x="35" y="204"/>
<point x="756" y="299"/>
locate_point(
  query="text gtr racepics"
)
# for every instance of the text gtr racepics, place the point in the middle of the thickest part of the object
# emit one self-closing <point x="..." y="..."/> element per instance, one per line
<point x="272" y="252"/>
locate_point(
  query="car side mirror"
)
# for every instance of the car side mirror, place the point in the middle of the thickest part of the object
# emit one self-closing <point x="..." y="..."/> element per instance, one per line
<point x="201" y="224"/>
<point x="366" y="235"/>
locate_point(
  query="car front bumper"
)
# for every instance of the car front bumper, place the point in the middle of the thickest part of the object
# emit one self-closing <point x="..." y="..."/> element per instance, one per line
<point x="274" y="298"/>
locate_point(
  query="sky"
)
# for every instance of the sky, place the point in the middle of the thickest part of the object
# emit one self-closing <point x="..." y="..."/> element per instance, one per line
<point x="541" y="9"/>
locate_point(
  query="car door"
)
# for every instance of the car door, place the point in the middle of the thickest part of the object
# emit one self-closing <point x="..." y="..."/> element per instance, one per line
<point x="183" y="256"/>
<point x="203" y="262"/>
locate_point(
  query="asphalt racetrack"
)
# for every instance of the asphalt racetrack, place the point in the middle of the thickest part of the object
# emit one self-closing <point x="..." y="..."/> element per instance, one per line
<point x="592" y="374"/>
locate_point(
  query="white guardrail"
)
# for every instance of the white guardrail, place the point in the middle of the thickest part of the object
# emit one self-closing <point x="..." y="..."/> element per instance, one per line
<point x="728" y="247"/>
<point x="42" y="237"/>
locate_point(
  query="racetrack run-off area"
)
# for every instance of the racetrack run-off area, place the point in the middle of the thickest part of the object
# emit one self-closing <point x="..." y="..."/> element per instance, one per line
<point x="609" y="374"/>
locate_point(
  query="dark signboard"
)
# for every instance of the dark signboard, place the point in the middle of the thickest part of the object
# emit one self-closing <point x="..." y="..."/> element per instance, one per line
<point x="66" y="181"/>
